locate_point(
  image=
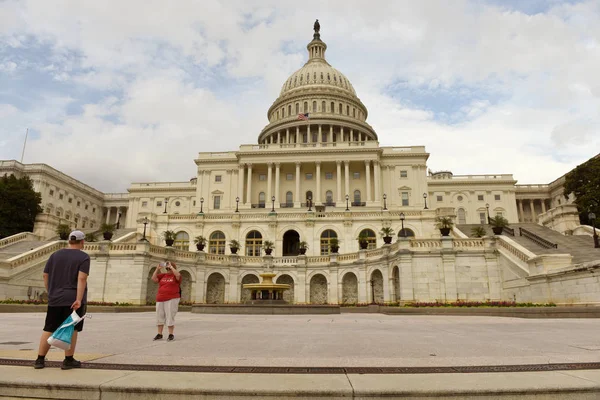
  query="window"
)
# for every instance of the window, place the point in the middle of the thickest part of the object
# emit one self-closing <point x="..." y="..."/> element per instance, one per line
<point x="144" y="204"/>
<point x="83" y="224"/>
<point x="60" y="196"/>
<point x="262" y="177"/>
<point x="329" y="197"/>
<point x="289" y="199"/>
<point x="290" y="110"/>
<point x="332" y="110"/>
<point x="253" y="243"/>
<point x="404" y="198"/>
<point x="177" y="203"/>
<point x="218" y="178"/>
<point x="216" y="243"/>
<point x="462" y="218"/>
<point x="194" y="203"/>
<point x="323" y="107"/>
<point x="497" y="197"/>
<point x="326" y="237"/>
<point x="289" y="177"/>
<point x="347" y="110"/>
<point x="51" y="193"/>
<point x="328" y="175"/>
<point x="323" y="137"/>
<point x="94" y="210"/>
<point x="314" y="107"/>
<point x="309" y="177"/>
<point x="261" y="200"/>
<point x="340" y="108"/>
<point x="480" y="197"/>
<point x="76" y="221"/>
<point x="297" y="108"/>
<point x="459" y="198"/>
<point x="70" y="200"/>
<point x="217" y="202"/>
<point x="159" y="203"/>
<point x="305" y="107"/>
<point x="354" y="112"/>
<point x="440" y="198"/>
<point x="482" y="218"/>
<point x="356" y="201"/>
<point x="403" y="174"/>
<point x="182" y="241"/>
<point x="309" y="196"/>
<point x="406" y="233"/>
<point x="277" y="114"/>
<point x="356" y="175"/>
<point x="86" y="206"/>
<point x="370" y="237"/>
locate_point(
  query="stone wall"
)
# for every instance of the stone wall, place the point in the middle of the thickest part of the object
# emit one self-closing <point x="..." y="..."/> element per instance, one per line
<point x="288" y="295"/>
<point x="349" y="289"/>
<point x="377" y="286"/>
<point x="215" y="289"/>
<point x="246" y="294"/>
<point x="318" y="289"/>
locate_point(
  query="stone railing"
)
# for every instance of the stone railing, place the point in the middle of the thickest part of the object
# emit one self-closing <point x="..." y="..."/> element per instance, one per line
<point x="426" y="243"/>
<point x="16" y="238"/>
<point x="377" y="252"/>
<point x="33" y="256"/>
<point x="468" y="243"/>
<point x="516" y="250"/>
<point x="317" y="260"/>
<point x="285" y="260"/>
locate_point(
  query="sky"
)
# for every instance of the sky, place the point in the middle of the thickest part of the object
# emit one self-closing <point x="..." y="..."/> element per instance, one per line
<point x="115" y="92"/>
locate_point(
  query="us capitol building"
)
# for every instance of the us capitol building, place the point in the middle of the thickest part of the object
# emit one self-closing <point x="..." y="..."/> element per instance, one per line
<point x="317" y="173"/>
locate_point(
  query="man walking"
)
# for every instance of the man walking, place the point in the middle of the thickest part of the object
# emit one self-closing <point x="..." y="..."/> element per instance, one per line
<point x="65" y="278"/>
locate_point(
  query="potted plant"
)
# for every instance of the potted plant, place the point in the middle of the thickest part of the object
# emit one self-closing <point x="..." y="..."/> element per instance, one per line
<point x="302" y="247"/>
<point x="90" y="237"/>
<point x="268" y="246"/>
<point x="200" y="242"/>
<point x="444" y="224"/>
<point x="107" y="231"/>
<point x="63" y="231"/>
<point x="234" y="246"/>
<point x="169" y="237"/>
<point x="498" y="224"/>
<point x="478" y="232"/>
<point x="386" y="233"/>
<point x="363" y="242"/>
<point x="334" y="245"/>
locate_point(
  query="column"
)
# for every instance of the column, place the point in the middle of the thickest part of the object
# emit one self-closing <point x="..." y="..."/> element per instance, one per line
<point x="330" y="133"/>
<point x="543" y="205"/>
<point x="199" y="182"/>
<point x="351" y="135"/>
<point x="108" y="215"/>
<point x="308" y="135"/>
<point x="298" y="135"/>
<point x="287" y="135"/>
<point x="338" y="178"/>
<point x="269" y="181"/>
<point x="320" y="137"/>
<point x="277" y="194"/>
<point x="249" y="188"/>
<point x="377" y="177"/>
<point x="240" y="191"/>
<point x="390" y="195"/>
<point x="318" y="199"/>
<point x="342" y="134"/>
<point x="297" y="196"/>
<point x="347" y="177"/>
<point x="368" y="175"/>
<point x="522" y="215"/>
<point x="533" y="216"/>
<point x="278" y="137"/>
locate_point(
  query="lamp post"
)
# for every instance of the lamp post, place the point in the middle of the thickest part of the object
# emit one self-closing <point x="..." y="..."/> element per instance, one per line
<point x="347" y="197"/>
<point x="425" y="198"/>
<point x="201" y="205"/>
<point x="272" y="204"/>
<point x="384" y="201"/>
<point x="145" y="223"/>
<point x="237" y="202"/>
<point x="166" y="201"/>
<point x="309" y="204"/>
<point x="372" y="291"/>
<point x="592" y="218"/>
<point x="487" y="207"/>
<point x="118" y="219"/>
<point x="402" y="217"/>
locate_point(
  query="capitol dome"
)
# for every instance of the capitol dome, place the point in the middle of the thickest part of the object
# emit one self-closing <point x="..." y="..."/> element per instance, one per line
<point x="317" y="97"/>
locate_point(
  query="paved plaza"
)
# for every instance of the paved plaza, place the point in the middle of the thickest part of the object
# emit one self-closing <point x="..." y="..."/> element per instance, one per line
<point x="346" y="340"/>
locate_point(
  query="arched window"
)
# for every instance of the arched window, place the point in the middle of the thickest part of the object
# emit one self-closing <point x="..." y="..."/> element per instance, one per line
<point x="332" y="107"/>
<point x="340" y="108"/>
<point x="289" y="199"/>
<point x="282" y="112"/>
<point x="406" y="233"/>
<point x="216" y="243"/>
<point x="314" y="109"/>
<point x="323" y="107"/>
<point x="354" y="112"/>
<point x="261" y="200"/>
<point x="329" y="198"/>
<point x="305" y="106"/>
<point x="326" y="237"/>
<point x="253" y="243"/>
<point x="289" y="110"/>
<point x="347" y="110"/>
<point x="356" y="201"/>
<point x="297" y="108"/>
<point x="182" y="241"/>
<point x="370" y="237"/>
<point x="462" y="218"/>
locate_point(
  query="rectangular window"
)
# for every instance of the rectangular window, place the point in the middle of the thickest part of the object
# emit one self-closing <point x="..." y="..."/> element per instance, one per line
<point x="289" y="177"/>
<point x="404" y="198"/>
<point x="86" y="206"/>
<point x="309" y="177"/>
<point x="144" y="204"/>
<point x="482" y="219"/>
<point x="78" y="204"/>
<point x="217" y="203"/>
<point x="93" y="210"/>
<point x="218" y="178"/>
<point x="262" y="177"/>
<point x="497" y="197"/>
<point x="159" y="204"/>
<point x="51" y="192"/>
<point x="440" y="198"/>
<point x="403" y="174"/>
<point x="194" y="203"/>
<point x="60" y="196"/>
<point x="480" y="197"/>
<point x="328" y="175"/>
<point x="356" y="175"/>
<point x="70" y="200"/>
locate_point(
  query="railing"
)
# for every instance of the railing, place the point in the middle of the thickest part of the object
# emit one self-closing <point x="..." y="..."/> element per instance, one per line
<point x="537" y="239"/>
<point x="14" y="239"/>
<point x="377" y="252"/>
<point x="508" y="230"/>
<point x="426" y="243"/>
<point x="521" y="255"/>
<point x="317" y="259"/>
<point x="286" y="260"/>
<point x="358" y="204"/>
<point x="468" y="243"/>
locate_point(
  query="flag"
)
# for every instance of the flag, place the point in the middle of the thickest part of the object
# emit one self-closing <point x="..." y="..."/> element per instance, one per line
<point x="303" y="117"/>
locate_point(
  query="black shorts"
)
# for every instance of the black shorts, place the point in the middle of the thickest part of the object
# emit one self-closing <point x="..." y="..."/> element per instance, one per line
<point x="55" y="316"/>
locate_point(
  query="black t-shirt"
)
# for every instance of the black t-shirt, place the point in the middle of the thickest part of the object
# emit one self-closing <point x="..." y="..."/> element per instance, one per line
<point x="63" y="268"/>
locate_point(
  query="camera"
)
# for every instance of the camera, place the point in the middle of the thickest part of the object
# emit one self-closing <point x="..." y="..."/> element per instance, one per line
<point x="163" y="264"/>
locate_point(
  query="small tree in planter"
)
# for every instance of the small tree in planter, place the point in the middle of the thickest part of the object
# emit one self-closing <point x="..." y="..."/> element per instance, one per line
<point x="444" y="224"/>
<point x="169" y="237"/>
<point x="268" y="247"/>
<point x="90" y="237"/>
<point x="200" y="242"/>
<point x="234" y="246"/>
<point x="363" y="241"/>
<point x="334" y="245"/>
<point x="386" y="233"/>
<point x="498" y="224"/>
<point x="478" y="232"/>
<point x="63" y="231"/>
<point x="107" y="231"/>
<point x="302" y="247"/>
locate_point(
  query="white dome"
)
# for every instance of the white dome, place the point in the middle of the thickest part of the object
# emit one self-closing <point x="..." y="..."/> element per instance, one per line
<point x="315" y="73"/>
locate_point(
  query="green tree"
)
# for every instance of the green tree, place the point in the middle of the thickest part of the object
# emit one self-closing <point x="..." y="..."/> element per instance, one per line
<point x="584" y="183"/>
<point x="19" y="205"/>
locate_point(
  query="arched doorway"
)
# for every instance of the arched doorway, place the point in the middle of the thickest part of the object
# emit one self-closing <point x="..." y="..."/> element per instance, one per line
<point x="349" y="289"/>
<point x="318" y="289"/>
<point x="186" y="286"/>
<point x="215" y="289"/>
<point x="290" y="243"/>
<point x="246" y="294"/>
<point x="396" y="281"/>
<point x="288" y="295"/>
<point x="151" y="288"/>
<point x="377" y="286"/>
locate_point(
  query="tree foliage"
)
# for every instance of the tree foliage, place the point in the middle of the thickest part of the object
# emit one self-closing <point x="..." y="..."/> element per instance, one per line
<point x="584" y="183"/>
<point x="19" y="205"/>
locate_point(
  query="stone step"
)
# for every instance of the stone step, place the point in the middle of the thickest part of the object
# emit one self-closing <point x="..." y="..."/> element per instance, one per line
<point x="20" y="248"/>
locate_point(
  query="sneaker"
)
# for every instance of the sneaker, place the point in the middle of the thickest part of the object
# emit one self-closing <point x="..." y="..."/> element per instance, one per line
<point x="171" y="338"/>
<point x="69" y="364"/>
<point x="157" y="337"/>
<point x="39" y="363"/>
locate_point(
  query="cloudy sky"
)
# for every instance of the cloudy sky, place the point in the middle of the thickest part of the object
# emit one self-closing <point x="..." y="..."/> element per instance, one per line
<point x="115" y="92"/>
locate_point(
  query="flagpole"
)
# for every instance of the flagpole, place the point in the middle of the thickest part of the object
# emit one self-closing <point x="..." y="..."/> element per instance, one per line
<point x="24" y="144"/>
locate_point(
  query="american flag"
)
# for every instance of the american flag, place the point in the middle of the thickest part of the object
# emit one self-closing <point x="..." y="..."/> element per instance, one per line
<point x="303" y="117"/>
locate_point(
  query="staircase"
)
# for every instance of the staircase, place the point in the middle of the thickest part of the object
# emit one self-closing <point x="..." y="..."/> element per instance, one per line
<point x="20" y="248"/>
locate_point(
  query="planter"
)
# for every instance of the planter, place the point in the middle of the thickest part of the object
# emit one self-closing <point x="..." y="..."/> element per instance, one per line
<point x="63" y="236"/>
<point x="169" y="242"/>
<point x="234" y="250"/>
<point x="387" y="239"/>
<point x="200" y="247"/>
<point x="445" y="231"/>
<point x="302" y="251"/>
<point x="268" y="251"/>
<point x="363" y="245"/>
<point x="497" y="230"/>
<point x="107" y="235"/>
<point x="335" y="249"/>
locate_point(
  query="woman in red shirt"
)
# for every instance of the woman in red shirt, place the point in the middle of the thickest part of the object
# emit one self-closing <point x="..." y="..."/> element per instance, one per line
<point x="167" y="297"/>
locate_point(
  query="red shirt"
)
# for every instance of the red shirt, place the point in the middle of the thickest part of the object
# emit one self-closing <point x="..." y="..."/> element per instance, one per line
<point x="168" y="287"/>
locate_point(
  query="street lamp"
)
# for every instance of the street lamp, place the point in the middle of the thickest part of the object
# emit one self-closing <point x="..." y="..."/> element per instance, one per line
<point x="372" y="291"/>
<point x="402" y="217"/>
<point x="237" y="202"/>
<point x="201" y="205"/>
<point x="166" y="201"/>
<point x="425" y="198"/>
<point x="309" y="204"/>
<point x="592" y="218"/>
<point x="145" y="223"/>
<point x="384" y="201"/>
<point x="347" y="197"/>
<point x="272" y="203"/>
<point x="487" y="207"/>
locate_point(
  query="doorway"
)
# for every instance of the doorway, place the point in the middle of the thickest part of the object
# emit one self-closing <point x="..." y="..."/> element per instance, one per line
<point x="290" y="243"/>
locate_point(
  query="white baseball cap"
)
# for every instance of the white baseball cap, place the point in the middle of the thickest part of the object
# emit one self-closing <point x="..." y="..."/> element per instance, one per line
<point x="77" y="235"/>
